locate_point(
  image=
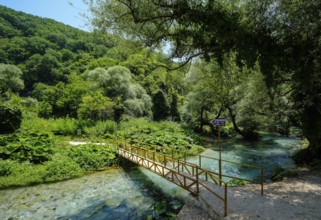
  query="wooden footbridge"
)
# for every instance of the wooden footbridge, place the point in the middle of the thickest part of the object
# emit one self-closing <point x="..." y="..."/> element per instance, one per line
<point x="189" y="176"/>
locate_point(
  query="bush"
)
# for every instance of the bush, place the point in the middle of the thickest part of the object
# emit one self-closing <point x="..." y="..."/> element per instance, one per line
<point x="278" y="173"/>
<point x="22" y="174"/>
<point x="64" y="126"/>
<point x="62" y="167"/>
<point x="10" y="119"/>
<point x="101" y="128"/>
<point x="32" y="147"/>
<point x="237" y="182"/>
<point x="92" y="157"/>
<point x="5" y="168"/>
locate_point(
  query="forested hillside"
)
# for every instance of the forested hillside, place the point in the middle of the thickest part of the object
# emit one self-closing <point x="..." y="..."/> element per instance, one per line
<point x="58" y="69"/>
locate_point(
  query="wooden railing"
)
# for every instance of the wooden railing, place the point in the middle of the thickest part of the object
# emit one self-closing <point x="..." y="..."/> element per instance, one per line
<point x="256" y="181"/>
<point x="184" y="174"/>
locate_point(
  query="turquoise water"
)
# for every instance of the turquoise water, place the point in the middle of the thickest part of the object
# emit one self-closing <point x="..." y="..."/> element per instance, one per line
<point x="117" y="193"/>
<point x="269" y="152"/>
<point x="134" y="192"/>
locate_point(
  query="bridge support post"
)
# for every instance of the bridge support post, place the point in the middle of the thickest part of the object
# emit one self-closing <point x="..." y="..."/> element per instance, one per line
<point x="197" y="185"/>
<point x="225" y="199"/>
<point x="262" y="181"/>
<point x="178" y="166"/>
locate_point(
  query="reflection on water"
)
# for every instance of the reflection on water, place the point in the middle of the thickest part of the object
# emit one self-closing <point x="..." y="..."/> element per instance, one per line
<point x="112" y="194"/>
<point x="269" y="152"/>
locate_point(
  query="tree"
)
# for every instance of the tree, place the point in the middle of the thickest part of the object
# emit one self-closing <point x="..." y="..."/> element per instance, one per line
<point x="160" y="107"/>
<point x="10" y="118"/>
<point x="116" y="82"/>
<point x="286" y="34"/>
<point x="238" y="91"/>
<point x="173" y="109"/>
<point x="10" y="78"/>
<point x="96" y="107"/>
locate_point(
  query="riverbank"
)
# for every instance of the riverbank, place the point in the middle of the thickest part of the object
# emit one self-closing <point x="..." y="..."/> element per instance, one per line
<point x="293" y="198"/>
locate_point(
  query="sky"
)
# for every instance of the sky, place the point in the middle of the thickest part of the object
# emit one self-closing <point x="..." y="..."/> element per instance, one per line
<point x="65" y="11"/>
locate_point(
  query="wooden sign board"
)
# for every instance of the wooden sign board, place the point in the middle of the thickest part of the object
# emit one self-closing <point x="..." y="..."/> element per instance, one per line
<point x="218" y="122"/>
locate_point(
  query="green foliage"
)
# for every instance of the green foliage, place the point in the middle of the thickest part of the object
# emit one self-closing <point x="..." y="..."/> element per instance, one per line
<point x="159" y="136"/>
<point x="101" y="128"/>
<point x="160" y="107"/>
<point x="10" y="78"/>
<point x="5" y="168"/>
<point x="62" y="167"/>
<point x="10" y="118"/>
<point x="92" y="157"/>
<point x="174" y="114"/>
<point x="278" y="173"/>
<point x="114" y="81"/>
<point x="284" y="34"/>
<point x="44" y="110"/>
<point x="35" y="148"/>
<point x="96" y="107"/>
<point x="237" y="182"/>
<point x="31" y="158"/>
<point x="22" y="174"/>
<point x="117" y="83"/>
<point x="64" y="126"/>
<point x="227" y="89"/>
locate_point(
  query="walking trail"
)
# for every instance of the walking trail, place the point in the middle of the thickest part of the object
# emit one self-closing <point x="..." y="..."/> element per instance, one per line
<point x="293" y="198"/>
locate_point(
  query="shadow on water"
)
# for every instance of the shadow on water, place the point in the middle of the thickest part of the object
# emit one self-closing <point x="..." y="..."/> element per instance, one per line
<point x="155" y="199"/>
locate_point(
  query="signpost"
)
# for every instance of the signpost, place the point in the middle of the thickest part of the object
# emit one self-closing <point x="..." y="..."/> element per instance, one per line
<point x="219" y="122"/>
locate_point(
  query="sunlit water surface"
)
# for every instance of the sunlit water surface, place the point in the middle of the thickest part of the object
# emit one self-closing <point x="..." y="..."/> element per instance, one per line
<point x="268" y="153"/>
<point x="136" y="193"/>
<point x="112" y="194"/>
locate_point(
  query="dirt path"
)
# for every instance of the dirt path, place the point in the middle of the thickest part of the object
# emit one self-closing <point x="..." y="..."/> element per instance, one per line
<point x="293" y="198"/>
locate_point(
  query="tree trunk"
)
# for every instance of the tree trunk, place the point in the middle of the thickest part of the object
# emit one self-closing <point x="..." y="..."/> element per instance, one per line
<point x="311" y="127"/>
<point x="245" y="135"/>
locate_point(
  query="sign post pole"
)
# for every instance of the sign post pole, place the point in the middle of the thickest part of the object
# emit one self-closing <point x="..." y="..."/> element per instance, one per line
<point x="220" y="156"/>
<point x="219" y="122"/>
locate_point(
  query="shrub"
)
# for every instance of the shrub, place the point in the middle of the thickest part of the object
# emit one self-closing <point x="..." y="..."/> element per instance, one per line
<point x="62" y="167"/>
<point x="64" y="126"/>
<point x="5" y="168"/>
<point x="32" y="147"/>
<point x="92" y="157"/>
<point x="237" y="182"/>
<point x="101" y="128"/>
<point x="10" y="119"/>
<point x="22" y="174"/>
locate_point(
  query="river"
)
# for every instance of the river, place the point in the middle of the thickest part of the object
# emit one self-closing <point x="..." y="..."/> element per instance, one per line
<point x="134" y="192"/>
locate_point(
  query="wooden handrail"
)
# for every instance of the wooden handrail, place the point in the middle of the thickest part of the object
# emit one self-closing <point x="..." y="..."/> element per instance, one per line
<point x="177" y="176"/>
